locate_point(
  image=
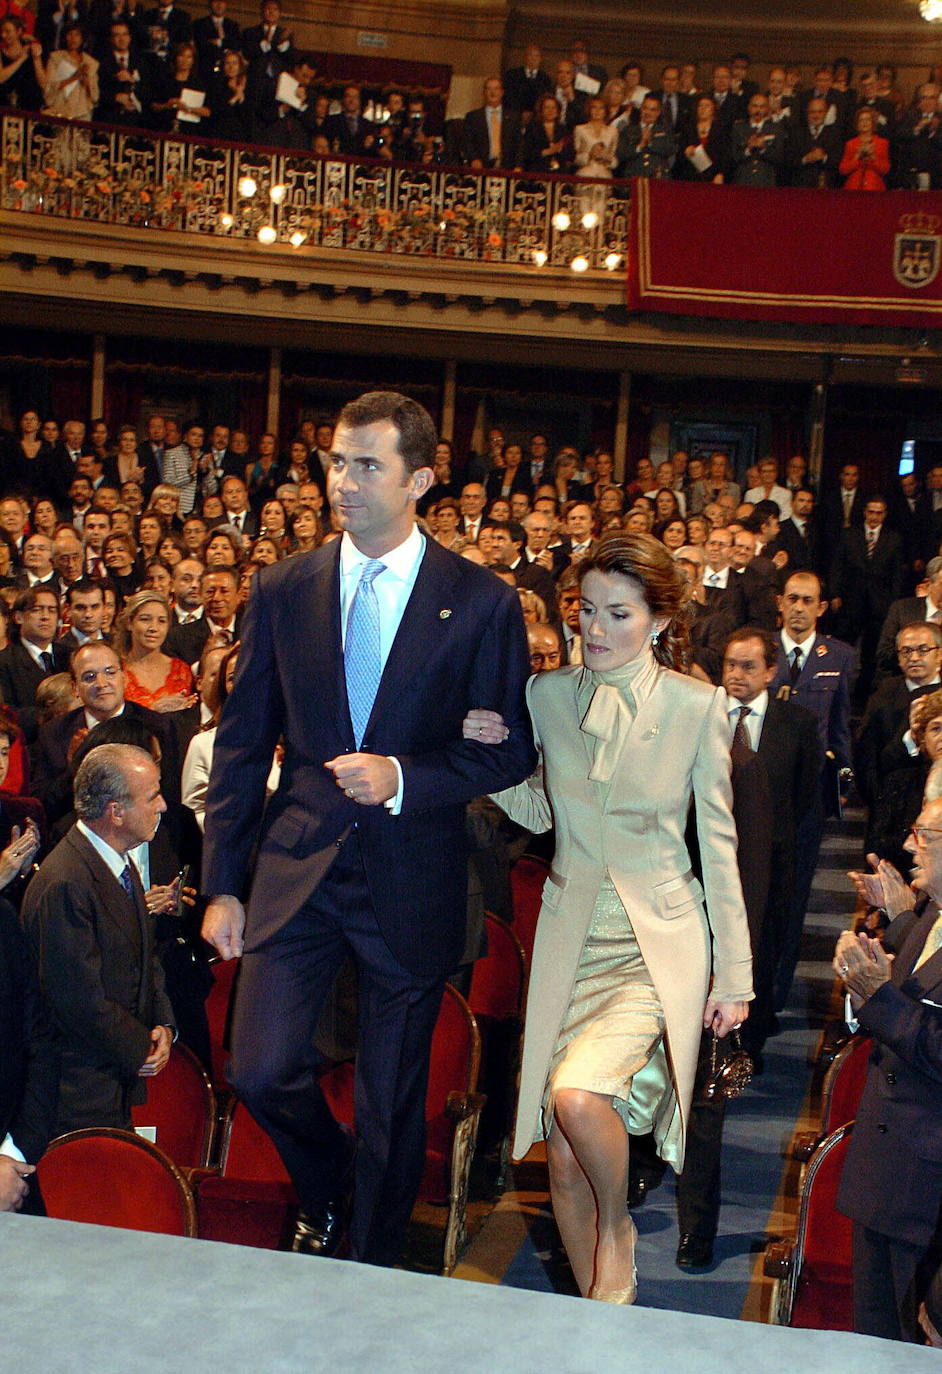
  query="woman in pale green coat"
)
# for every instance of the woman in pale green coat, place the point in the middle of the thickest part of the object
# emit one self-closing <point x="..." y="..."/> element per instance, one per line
<point x="621" y="978"/>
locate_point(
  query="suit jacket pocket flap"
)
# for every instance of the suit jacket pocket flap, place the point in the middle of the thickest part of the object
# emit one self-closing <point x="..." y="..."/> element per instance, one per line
<point x="553" y="889"/>
<point x="678" y="892"/>
<point x="287" y="830"/>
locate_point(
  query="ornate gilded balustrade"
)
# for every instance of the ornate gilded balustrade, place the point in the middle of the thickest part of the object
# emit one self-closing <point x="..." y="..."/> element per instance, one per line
<point x="296" y="202"/>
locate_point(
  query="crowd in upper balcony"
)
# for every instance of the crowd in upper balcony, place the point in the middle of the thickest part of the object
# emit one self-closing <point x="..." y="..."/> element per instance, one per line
<point x="158" y="68"/>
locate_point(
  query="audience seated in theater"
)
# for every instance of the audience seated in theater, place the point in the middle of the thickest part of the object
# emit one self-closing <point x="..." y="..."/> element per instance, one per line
<point x="910" y="610"/>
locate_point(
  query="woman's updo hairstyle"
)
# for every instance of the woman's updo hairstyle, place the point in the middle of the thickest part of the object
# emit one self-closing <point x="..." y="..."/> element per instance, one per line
<point x="648" y="564"/>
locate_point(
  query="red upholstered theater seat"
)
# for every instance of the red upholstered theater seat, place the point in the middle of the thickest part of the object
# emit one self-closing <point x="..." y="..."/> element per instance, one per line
<point x="840" y="1096"/>
<point x="114" y="1178"/>
<point x="813" y="1273"/>
<point x="496" y="997"/>
<point x="844" y="1083"/>
<point x="218" y="1012"/>
<point x="249" y="1199"/>
<point x="182" y="1106"/>
<point x="526" y="882"/>
<point x="452" y="1112"/>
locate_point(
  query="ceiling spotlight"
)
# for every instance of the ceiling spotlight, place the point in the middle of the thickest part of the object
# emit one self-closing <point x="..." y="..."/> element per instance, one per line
<point x="247" y="186"/>
<point x="297" y="238"/>
<point x="590" y="219"/>
<point x="580" y="263"/>
<point x="540" y="256"/>
<point x="277" y="194"/>
<point x="561" y="220"/>
<point x="931" y="11"/>
<point x="267" y="234"/>
<point x="226" y="221"/>
<point x="612" y="260"/>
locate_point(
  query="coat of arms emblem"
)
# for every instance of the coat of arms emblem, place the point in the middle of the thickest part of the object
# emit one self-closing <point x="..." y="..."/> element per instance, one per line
<point x="917" y="251"/>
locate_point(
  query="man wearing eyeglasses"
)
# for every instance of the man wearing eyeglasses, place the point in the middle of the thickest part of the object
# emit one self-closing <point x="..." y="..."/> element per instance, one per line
<point x="885" y="724"/>
<point x="98" y="682"/>
<point x="909" y="610"/>
<point x="891" y="1186"/>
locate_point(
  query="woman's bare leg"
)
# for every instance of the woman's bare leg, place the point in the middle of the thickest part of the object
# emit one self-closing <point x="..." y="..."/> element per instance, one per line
<point x="588" y="1154"/>
<point x="573" y="1207"/>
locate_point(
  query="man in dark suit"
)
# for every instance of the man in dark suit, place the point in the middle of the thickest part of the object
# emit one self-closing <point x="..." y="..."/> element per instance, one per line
<point x="267" y="45"/>
<point x="491" y="133"/>
<point x="919" y="652"/>
<point x="813" y="149"/>
<point x="579" y="57"/>
<point x="648" y="148"/>
<point x="362" y="849"/>
<point x="91" y="937"/>
<point x="814" y="671"/>
<point x="797" y="535"/>
<point x="891" y="1186"/>
<point x="909" y="512"/>
<point x="775" y="759"/>
<point x="722" y="586"/>
<point x="757" y="150"/>
<point x="841" y="507"/>
<point x="524" y="85"/>
<point x="171" y="18"/>
<point x="348" y="132"/>
<point x="35" y="656"/>
<point x="909" y="610"/>
<point x="676" y="108"/>
<point x="98" y="682"/>
<point x="866" y="577"/>
<point x="86" y="602"/>
<point x="214" y="34"/>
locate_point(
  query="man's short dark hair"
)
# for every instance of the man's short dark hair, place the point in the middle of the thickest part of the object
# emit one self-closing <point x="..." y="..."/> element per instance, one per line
<point x="767" y="640"/>
<point x="490" y="523"/>
<point x="764" y="510"/>
<point x="26" y="600"/>
<point x="84" y="586"/>
<point x="518" y="534"/>
<point x="417" y="434"/>
<point x="231" y="573"/>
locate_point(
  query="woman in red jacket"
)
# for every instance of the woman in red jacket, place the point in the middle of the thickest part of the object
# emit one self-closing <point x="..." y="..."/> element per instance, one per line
<point x="866" y="159"/>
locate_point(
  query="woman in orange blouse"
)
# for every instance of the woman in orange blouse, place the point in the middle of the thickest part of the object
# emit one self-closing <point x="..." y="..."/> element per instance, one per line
<point x="153" y="678"/>
<point x="866" y="159"/>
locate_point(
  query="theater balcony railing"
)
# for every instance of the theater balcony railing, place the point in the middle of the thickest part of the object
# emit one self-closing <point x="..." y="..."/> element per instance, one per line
<point x="186" y="203"/>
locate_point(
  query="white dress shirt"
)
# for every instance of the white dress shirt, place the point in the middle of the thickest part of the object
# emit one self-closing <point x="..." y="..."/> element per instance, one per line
<point x="806" y="645"/>
<point x="712" y="578"/>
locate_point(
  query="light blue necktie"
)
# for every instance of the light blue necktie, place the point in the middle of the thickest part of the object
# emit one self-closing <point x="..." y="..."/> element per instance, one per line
<point x="361" y="653"/>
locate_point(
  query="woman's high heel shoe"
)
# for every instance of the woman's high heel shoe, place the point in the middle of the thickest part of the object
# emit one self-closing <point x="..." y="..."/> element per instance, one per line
<point x="624" y="1296"/>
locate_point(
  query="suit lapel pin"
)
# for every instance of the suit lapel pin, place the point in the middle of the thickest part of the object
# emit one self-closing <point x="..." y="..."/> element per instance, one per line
<point x="443" y="615"/>
<point x="654" y="730"/>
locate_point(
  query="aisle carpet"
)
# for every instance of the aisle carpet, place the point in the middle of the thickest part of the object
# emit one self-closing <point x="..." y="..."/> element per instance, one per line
<point x="518" y="1244"/>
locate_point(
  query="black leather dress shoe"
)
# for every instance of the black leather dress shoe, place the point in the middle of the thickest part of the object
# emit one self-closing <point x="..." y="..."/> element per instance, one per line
<point x="694" y="1252"/>
<point x="637" y="1190"/>
<point x="321" y="1230"/>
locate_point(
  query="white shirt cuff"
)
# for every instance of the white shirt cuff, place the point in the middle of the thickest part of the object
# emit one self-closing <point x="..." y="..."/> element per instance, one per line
<point x="9" y="1149"/>
<point x="912" y="748"/>
<point x="853" y="1025"/>
<point x="394" y="804"/>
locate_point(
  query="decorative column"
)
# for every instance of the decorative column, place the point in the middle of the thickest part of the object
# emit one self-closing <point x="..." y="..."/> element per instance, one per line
<point x="449" y="391"/>
<point x="98" y="376"/>
<point x="817" y="416"/>
<point x="620" y="447"/>
<point x="273" y="407"/>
